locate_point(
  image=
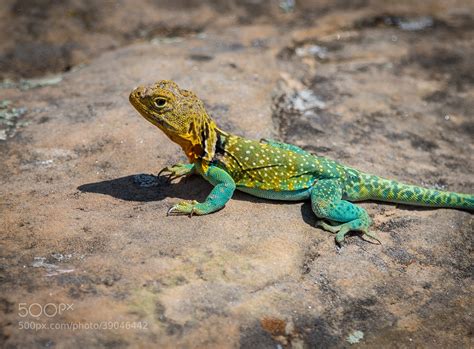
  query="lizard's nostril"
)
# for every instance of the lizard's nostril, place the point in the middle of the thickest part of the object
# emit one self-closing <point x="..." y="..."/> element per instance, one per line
<point x="136" y="93"/>
<point x="139" y="91"/>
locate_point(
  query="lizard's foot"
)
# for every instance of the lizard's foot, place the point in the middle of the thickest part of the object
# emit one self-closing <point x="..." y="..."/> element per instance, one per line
<point x="342" y="229"/>
<point x="185" y="208"/>
<point x="176" y="171"/>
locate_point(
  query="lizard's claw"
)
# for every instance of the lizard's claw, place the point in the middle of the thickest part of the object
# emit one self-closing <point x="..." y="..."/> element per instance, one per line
<point x="174" y="172"/>
<point x="184" y="208"/>
<point x="371" y="235"/>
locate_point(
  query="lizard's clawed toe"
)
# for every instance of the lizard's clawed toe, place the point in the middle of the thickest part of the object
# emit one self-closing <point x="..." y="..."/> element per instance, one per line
<point x="372" y="236"/>
<point x="183" y="208"/>
<point x="328" y="227"/>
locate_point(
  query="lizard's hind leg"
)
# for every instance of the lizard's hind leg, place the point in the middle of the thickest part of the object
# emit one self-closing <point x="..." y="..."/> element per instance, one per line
<point x="327" y="203"/>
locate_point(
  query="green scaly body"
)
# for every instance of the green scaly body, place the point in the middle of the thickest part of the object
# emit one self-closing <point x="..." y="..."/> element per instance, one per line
<point x="271" y="169"/>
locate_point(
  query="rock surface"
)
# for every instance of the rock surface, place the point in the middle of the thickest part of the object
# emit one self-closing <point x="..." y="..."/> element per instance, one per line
<point x="386" y="89"/>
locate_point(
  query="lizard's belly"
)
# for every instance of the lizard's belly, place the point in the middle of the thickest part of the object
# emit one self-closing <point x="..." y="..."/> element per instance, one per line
<point x="291" y="195"/>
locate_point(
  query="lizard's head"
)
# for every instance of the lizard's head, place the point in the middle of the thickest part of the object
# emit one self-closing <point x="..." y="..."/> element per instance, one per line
<point x="180" y="115"/>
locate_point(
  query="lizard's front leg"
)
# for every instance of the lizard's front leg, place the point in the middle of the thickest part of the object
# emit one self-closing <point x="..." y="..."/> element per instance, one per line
<point x="178" y="170"/>
<point x="224" y="187"/>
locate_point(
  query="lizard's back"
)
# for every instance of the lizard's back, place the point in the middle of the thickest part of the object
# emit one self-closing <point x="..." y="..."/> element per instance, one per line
<point x="258" y="165"/>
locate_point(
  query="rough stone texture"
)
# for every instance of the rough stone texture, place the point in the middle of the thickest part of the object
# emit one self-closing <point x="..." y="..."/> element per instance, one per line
<point x="82" y="223"/>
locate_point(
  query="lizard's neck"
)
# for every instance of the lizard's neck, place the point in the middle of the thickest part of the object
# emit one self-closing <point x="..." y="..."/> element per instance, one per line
<point x="200" y="143"/>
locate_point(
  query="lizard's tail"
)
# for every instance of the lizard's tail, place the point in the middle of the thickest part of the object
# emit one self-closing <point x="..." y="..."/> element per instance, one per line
<point x="376" y="188"/>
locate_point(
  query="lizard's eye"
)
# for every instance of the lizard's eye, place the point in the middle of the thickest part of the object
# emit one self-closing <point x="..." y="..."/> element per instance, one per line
<point x="160" y="102"/>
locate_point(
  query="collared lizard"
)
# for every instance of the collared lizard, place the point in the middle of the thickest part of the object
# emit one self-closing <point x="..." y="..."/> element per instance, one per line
<point x="270" y="169"/>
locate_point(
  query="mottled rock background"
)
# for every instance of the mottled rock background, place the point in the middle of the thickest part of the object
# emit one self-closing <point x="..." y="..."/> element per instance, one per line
<point x="385" y="86"/>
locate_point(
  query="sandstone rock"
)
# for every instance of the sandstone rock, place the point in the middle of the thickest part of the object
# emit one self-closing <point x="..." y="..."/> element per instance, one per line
<point x="78" y="180"/>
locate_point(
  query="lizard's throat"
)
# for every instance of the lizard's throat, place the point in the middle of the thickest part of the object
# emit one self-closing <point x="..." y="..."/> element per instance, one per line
<point x="191" y="148"/>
